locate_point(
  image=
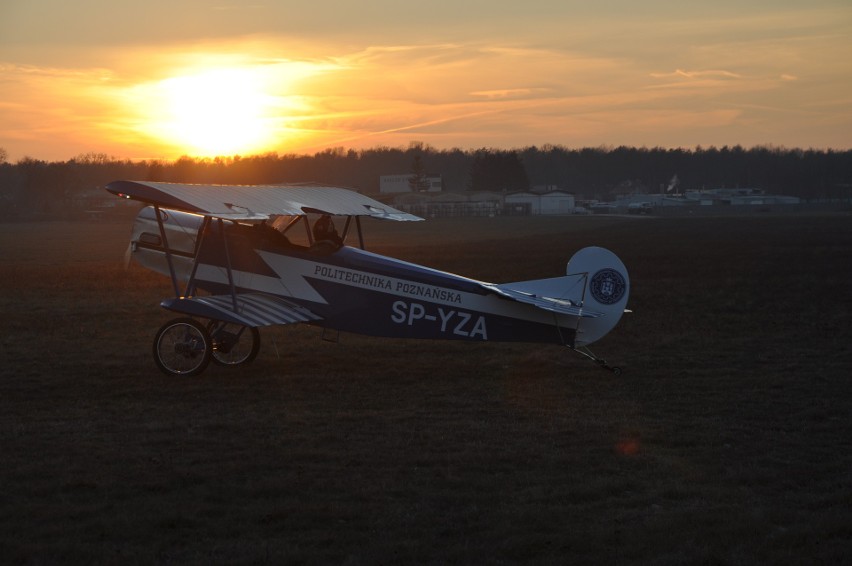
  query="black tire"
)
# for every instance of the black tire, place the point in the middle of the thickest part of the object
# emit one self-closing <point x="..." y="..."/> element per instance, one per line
<point x="182" y="347"/>
<point x="233" y="344"/>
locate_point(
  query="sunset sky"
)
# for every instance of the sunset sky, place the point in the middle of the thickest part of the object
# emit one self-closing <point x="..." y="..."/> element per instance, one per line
<point x="161" y="79"/>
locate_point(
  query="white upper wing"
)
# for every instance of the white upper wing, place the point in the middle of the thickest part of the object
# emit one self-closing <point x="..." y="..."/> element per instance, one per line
<point x="256" y="202"/>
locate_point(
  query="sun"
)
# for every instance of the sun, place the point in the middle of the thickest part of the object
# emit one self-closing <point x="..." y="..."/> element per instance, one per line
<point x="218" y="105"/>
<point x="215" y="112"/>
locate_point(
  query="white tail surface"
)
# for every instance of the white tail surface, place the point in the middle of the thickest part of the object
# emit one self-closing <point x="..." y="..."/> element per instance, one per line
<point x="607" y="288"/>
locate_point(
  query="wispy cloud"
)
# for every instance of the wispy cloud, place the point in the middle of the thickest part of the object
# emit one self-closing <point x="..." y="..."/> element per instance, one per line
<point x="714" y="74"/>
<point x="511" y="93"/>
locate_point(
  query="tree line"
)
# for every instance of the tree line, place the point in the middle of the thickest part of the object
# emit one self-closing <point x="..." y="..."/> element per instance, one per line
<point x="599" y="172"/>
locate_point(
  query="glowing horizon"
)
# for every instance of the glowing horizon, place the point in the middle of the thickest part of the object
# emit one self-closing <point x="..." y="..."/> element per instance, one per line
<point x="585" y="77"/>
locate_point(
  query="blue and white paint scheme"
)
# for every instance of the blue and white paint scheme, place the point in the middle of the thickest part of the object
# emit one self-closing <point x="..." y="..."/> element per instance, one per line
<point x="243" y="257"/>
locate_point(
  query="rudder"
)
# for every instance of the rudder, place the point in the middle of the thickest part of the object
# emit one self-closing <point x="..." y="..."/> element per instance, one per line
<point x="606" y="290"/>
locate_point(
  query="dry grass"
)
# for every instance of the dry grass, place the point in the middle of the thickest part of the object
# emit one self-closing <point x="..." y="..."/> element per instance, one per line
<point x="725" y="440"/>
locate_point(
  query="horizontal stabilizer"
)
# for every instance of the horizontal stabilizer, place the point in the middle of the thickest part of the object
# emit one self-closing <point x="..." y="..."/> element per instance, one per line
<point x="253" y="309"/>
<point x="542" y="294"/>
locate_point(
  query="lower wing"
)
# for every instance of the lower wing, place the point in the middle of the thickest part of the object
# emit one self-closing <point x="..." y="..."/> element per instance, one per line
<point x="247" y="309"/>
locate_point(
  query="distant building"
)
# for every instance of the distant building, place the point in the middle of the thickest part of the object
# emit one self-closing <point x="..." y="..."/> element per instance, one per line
<point x="539" y="189"/>
<point x="553" y="202"/>
<point x="402" y="184"/>
<point x="557" y="202"/>
<point x="651" y="203"/>
<point x="485" y="203"/>
<point x="738" y="197"/>
<point x="522" y="203"/>
<point x="643" y="202"/>
<point x="450" y="204"/>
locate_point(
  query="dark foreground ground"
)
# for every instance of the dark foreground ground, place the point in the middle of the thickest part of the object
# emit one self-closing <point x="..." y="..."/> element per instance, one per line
<point x="727" y="439"/>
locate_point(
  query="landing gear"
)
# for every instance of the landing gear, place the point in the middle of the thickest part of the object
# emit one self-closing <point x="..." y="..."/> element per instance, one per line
<point x="185" y="347"/>
<point x="586" y="353"/>
<point x="182" y="347"/>
<point x="233" y="344"/>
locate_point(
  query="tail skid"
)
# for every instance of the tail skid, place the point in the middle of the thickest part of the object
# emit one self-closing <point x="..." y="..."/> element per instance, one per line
<point x="586" y="353"/>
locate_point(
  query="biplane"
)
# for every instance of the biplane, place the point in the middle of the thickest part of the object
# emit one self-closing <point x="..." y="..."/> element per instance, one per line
<point x="245" y="257"/>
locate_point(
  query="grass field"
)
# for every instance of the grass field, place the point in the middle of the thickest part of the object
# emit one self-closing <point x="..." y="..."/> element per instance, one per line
<point x="727" y="439"/>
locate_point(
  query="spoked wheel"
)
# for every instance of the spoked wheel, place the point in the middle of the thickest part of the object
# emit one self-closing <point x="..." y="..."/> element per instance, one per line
<point x="233" y="344"/>
<point x="182" y="347"/>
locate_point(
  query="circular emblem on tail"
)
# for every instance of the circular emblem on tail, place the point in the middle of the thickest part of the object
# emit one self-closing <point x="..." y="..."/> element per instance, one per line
<point x="608" y="286"/>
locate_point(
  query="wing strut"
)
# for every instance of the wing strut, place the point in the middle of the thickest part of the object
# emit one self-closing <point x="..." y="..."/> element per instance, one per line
<point x="190" y="284"/>
<point x="346" y="228"/>
<point x="228" y="264"/>
<point x="348" y="225"/>
<point x="360" y="233"/>
<point x="167" y="249"/>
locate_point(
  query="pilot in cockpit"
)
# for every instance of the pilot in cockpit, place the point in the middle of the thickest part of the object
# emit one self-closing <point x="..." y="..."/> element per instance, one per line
<point x="324" y="231"/>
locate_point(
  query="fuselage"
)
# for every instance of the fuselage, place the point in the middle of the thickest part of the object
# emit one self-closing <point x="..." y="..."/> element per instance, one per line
<point x="350" y="289"/>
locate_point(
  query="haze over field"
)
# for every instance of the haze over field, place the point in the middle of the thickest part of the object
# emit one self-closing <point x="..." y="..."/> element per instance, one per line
<point x="205" y="78"/>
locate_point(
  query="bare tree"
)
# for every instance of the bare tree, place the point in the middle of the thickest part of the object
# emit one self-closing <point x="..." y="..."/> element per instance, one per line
<point x="418" y="180"/>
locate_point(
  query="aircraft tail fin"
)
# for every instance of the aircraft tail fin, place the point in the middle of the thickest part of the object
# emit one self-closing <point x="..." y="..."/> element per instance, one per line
<point x="595" y="290"/>
<point x="606" y="290"/>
